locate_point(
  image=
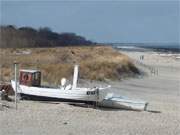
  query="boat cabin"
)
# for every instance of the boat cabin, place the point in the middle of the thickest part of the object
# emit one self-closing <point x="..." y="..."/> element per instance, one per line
<point x="30" y="77"/>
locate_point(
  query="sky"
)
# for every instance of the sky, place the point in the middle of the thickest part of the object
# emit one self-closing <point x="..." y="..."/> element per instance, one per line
<point x="99" y="20"/>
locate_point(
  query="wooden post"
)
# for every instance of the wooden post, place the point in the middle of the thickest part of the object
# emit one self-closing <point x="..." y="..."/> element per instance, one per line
<point x="0" y="73"/>
<point x="15" y="78"/>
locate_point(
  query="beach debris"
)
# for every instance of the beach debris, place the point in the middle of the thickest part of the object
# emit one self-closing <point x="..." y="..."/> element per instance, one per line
<point x="22" y="52"/>
<point x="65" y="123"/>
<point x="7" y="87"/>
<point x="3" y="95"/>
<point x="3" y="105"/>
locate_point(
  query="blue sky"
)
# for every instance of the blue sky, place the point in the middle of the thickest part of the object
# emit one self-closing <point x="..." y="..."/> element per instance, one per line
<point x="100" y="21"/>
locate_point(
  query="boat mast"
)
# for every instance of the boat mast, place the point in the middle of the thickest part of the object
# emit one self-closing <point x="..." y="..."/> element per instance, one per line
<point x="75" y="76"/>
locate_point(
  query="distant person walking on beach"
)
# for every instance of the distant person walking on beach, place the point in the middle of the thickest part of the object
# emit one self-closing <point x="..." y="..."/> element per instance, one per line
<point x="142" y="57"/>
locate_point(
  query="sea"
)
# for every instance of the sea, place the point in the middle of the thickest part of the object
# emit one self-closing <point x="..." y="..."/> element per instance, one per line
<point x="159" y="47"/>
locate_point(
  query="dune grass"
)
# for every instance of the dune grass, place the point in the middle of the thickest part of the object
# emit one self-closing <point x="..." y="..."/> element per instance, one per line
<point x="96" y="63"/>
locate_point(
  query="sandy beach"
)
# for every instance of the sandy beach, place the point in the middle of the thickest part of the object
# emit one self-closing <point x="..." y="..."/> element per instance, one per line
<point x="160" y="86"/>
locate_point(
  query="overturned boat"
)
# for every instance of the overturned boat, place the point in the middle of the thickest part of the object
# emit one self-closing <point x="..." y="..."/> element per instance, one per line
<point x="121" y="102"/>
<point x="29" y="87"/>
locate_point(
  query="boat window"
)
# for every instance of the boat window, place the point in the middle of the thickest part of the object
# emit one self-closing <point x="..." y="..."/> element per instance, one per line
<point x="36" y="76"/>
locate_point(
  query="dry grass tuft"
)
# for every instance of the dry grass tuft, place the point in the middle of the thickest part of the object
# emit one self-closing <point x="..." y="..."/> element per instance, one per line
<point x="96" y="63"/>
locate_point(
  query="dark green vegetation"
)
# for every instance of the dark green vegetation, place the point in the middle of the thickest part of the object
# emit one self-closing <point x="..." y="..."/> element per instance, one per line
<point x="41" y="49"/>
<point x="12" y="37"/>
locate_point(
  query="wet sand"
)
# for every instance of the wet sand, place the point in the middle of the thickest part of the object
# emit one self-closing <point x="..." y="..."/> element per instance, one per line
<point x="160" y="89"/>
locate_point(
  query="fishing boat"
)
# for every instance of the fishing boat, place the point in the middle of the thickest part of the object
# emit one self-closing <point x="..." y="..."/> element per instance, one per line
<point x="121" y="102"/>
<point x="29" y="87"/>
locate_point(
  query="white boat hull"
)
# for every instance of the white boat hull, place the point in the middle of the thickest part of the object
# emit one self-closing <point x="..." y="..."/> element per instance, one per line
<point x="77" y="94"/>
<point x="123" y="103"/>
<point x="80" y="95"/>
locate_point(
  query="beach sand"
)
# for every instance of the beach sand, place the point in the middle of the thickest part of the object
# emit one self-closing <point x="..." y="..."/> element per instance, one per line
<point x="160" y="87"/>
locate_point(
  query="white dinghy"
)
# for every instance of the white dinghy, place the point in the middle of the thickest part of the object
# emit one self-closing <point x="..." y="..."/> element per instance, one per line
<point x="29" y="87"/>
<point x="120" y="102"/>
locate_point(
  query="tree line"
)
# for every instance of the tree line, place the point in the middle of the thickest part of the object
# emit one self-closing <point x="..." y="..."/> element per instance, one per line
<point x="13" y="37"/>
